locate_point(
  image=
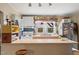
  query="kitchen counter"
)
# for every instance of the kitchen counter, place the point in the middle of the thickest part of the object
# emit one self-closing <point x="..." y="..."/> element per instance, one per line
<point x="63" y="40"/>
<point x="43" y="46"/>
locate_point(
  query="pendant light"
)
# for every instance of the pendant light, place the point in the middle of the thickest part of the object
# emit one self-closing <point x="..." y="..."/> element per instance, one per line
<point x="29" y="4"/>
<point x="50" y="4"/>
<point x="39" y="5"/>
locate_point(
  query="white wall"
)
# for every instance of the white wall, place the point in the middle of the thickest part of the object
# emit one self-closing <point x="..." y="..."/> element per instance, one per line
<point x="7" y="10"/>
<point x="4" y="7"/>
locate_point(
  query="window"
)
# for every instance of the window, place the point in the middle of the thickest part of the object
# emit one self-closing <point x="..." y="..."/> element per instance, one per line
<point x="50" y="30"/>
<point x="40" y="29"/>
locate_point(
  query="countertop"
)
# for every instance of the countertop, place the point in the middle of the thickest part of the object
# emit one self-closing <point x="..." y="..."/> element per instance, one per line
<point x="63" y="40"/>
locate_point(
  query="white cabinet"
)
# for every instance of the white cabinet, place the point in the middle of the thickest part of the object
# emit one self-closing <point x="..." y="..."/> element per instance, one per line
<point x="27" y="21"/>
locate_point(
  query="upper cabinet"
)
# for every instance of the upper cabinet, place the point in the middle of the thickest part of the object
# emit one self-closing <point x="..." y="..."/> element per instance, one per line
<point x="6" y="29"/>
<point x="27" y="21"/>
<point x="46" y="18"/>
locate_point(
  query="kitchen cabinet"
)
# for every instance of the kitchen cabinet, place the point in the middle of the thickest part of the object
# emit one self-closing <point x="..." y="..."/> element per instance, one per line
<point x="6" y="34"/>
<point x="6" y="37"/>
<point x="15" y="28"/>
<point x="6" y="29"/>
<point x="45" y="46"/>
<point x="14" y="32"/>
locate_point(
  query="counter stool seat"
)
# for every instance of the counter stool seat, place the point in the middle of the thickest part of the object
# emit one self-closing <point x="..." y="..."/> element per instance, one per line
<point x="21" y="52"/>
<point x="24" y="52"/>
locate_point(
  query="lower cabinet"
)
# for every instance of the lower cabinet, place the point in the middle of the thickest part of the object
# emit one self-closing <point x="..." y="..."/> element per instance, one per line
<point x="6" y="37"/>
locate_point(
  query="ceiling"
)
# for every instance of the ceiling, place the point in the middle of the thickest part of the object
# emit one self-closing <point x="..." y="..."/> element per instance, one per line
<point x="45" y="9"/>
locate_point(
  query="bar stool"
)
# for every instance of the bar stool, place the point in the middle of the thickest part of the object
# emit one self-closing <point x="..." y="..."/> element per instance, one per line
<point x="24" y="52"/>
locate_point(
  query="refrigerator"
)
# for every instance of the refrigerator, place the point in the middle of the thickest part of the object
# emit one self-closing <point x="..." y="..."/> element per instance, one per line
<point x="70" y="31"/>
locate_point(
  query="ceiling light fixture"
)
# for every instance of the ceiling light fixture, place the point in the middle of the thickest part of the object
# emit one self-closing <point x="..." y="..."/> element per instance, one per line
<point x="50" y="4"/>
<point x="39" y="4"/>
<point x="30" y="5"/>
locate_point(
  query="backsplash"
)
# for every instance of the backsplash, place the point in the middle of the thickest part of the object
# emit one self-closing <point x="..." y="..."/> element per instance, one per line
<point x="45" y="27"/>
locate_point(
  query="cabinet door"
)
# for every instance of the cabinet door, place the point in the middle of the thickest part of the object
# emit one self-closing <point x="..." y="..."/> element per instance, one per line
<point x="27" y="21"/>
<point x="6" y="29"/>
<point x="6" y="37"/>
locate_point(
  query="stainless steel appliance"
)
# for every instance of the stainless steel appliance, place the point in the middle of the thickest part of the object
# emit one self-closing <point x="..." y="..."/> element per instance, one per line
<point x="68" y="29"/>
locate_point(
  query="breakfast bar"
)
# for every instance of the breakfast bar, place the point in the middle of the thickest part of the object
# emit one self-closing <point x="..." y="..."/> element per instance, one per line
<point x="48" y="46"/>
<point x="47" y="41"/>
